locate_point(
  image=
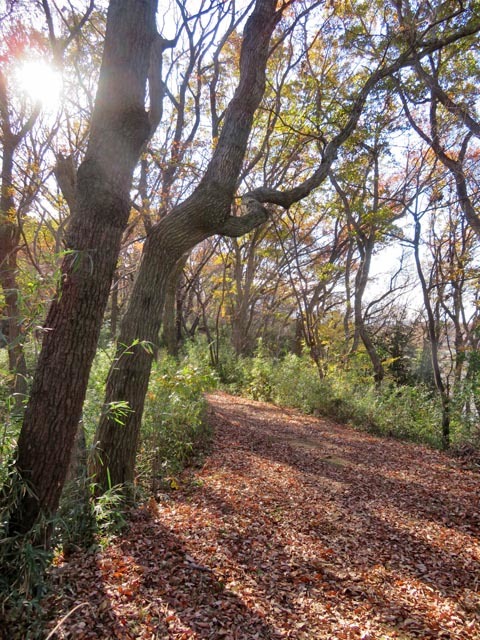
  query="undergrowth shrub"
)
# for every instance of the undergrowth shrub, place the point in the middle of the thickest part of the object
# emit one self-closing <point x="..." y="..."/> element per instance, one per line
<point x="346" y="395"/>
<point x="9" y="417"/>
<point x="23" y="562"/>
<point x="95" y="396"/>
<point x="232" y="371"/>
<point x="82" y="520"/>
<point x="174" y="426"/>
<point x="260" y="376"/>
<point x="409" y="413"/>
<point x="465" y="425"/>
<point x="295" y="382"/>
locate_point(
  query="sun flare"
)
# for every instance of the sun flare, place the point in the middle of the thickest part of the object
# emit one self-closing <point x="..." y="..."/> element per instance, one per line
<point x="40" y="82"/>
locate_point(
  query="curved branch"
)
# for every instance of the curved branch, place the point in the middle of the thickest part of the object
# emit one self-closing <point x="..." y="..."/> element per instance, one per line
<point x="409" y="58"/>
<point x="236" y="226"/>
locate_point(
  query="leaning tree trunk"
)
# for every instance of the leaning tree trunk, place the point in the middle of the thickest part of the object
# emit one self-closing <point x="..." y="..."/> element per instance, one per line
<point x="204" y="213"/>
<point x="119" y="128"/>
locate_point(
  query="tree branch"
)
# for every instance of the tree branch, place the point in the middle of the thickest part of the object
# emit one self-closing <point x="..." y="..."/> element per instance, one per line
<point x="66" y="175"/>
<point x="236" y="226"/>
<point x="408" y="58"/>
<point x="451" y="106"/>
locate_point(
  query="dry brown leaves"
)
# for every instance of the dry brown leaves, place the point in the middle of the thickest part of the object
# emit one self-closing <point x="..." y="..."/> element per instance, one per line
<point x="294" y="528"/>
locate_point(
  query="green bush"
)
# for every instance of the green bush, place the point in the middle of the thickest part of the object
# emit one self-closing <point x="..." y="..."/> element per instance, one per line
<point x="410" y="413"/>
<point x="173" y="426"/>
<point x="23" y="561"/>
<point x="346" y="395"/>
<point x="260" y="376"/>
<point x="296" y="383"/>
<point x="93" y="405"/>
<point x="10" y="419"/>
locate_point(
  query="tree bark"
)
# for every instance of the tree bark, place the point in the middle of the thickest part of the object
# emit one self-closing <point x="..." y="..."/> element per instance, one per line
<point x="9" y="241"/>
<point x="204" y="213"/>
<point x="171" y="320"/>
<point x="119" y="128"/>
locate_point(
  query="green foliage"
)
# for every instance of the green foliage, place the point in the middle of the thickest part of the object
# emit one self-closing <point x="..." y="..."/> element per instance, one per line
<point x="296" y="383"/>
<point x="230" y="370"/>
<point x="346" y="394"/>
<point x="93" y="405"/>
<point x="108" y="513"/>
<point x="9" y="420"/>
<point x="174" y="428"/>
<point x="465" y="406"/>
<point x="233" y="371"/>
<point x="261" y="375"/>
<point x="23" y="560"/>
<point x="75" y="526"/>
<point x="409" y="413"/>
<point x="87" y="517"/>
<point x="395" y="344"/>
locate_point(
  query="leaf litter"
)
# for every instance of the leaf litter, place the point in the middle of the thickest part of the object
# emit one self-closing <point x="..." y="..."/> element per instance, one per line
<point x="295" y="527"/>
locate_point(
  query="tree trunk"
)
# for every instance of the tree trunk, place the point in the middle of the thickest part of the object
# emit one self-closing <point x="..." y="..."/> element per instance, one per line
<point x="244" y="273"/>
<point x="9" y="239"/>
<point x="119" y="128"/>
<point x="441" y="387"/>
<point x="240" y="308"/>
<point x="204" y="213"/>
<point x="114" y="306"/>
<point x="170" y="313"/>
<point x="360" y="284"/>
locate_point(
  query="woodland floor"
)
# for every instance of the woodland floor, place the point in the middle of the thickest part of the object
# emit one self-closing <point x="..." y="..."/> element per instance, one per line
<point x="295" y="527"/>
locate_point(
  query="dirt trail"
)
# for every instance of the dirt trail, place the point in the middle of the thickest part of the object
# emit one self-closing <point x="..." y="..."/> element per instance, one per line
<point x="294" y="528"/>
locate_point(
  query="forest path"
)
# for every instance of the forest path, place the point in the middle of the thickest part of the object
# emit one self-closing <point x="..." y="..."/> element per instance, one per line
<point x="294" y="527"/>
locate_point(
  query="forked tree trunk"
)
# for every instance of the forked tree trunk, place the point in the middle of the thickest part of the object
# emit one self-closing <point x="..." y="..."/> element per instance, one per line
<point x="119" y="128"/>
<point x="204" y="213"/>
